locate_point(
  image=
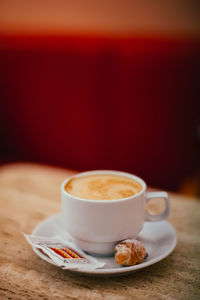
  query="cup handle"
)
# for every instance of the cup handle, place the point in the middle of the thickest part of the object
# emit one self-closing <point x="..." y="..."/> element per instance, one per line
<point x="163" y="215"/>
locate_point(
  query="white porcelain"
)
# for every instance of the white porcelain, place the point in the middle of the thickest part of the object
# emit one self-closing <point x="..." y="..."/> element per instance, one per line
<point x="97" y="225"/>
<point x="159" y="239"/>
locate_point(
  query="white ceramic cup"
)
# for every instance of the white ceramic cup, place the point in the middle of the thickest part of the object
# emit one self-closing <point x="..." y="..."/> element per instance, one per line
<point x="97" y="225"/>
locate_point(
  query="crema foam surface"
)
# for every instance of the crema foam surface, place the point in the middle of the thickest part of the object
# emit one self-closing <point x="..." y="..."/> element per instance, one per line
<point x="102" y="187"/>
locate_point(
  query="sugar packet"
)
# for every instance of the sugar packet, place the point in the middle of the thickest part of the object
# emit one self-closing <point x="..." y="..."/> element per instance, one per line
<point x="64" y="254"/>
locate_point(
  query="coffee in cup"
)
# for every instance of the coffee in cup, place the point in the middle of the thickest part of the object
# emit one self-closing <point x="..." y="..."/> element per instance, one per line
<point x="102" y="187"/>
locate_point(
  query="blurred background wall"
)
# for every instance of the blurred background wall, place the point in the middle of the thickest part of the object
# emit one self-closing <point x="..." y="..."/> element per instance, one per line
<point x="102" y="84"/>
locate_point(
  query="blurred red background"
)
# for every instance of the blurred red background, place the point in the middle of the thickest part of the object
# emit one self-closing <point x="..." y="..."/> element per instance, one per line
<point x="101" y="96"/>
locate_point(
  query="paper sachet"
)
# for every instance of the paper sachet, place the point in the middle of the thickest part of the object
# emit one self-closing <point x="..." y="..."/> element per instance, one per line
<point x="64" y="254"/>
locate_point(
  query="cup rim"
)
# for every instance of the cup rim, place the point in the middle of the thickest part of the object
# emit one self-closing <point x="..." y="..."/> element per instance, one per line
<point x="112" y="172"/>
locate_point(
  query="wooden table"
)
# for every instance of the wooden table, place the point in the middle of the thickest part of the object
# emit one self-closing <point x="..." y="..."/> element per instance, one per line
<point x="30" y="193"/>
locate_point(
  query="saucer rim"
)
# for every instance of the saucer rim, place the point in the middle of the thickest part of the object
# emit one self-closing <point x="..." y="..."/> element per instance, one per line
<point x="110" y="271"/>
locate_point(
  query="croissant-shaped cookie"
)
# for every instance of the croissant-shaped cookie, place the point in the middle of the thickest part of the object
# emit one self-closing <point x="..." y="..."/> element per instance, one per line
<point x="129" y="252"/>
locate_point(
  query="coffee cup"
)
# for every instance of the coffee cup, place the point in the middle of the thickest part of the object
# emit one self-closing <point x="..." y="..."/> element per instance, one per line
<point x="98" y="217"/>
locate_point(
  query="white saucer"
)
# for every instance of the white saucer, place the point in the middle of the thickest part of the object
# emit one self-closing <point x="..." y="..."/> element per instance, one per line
<point x="159" y="239"/>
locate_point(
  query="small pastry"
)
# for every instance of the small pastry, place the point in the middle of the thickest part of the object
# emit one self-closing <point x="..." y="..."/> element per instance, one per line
<point x="129" y="252"/>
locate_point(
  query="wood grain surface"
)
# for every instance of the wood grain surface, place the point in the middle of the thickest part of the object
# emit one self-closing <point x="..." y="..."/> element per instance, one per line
<point x="29" y="193"/>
